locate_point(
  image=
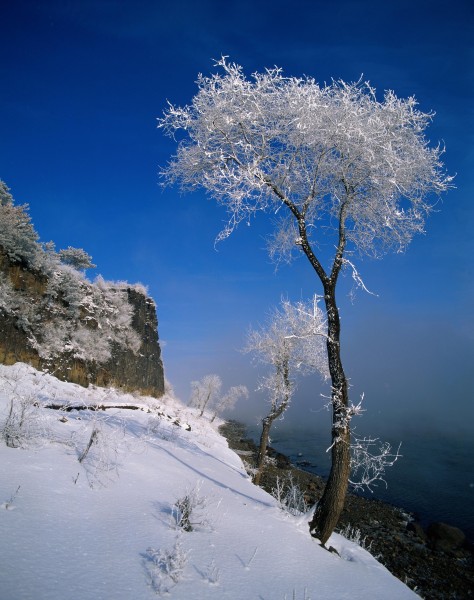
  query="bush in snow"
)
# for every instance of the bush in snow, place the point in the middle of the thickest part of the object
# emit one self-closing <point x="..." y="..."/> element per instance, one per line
<point x="289" y="495"/>
<point x="165" y="567"/>
<point x="8" y="505"/>
<point x="24" y="421"/>
<point x="353" y="534"/>
<point x="211" y="573"/>
<point x="188" y="510"/>
<point x="294" y="596"/>
<point x="98" y="447"/>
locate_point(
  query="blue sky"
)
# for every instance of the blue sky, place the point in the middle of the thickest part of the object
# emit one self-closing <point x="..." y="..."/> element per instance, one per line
<point x="82" y="84"/>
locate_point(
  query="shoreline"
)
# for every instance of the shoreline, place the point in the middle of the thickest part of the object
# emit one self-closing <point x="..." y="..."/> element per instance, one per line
<point x="431" y="568"/>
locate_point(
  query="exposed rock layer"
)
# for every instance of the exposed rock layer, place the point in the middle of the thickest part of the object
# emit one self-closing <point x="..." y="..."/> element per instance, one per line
<point x="129" y="371"/>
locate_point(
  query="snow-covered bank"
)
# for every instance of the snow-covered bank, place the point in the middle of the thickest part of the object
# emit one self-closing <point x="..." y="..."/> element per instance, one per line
<point x="106" y="528"/>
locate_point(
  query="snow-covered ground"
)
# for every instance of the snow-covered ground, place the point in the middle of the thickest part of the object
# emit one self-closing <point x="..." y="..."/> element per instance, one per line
<point x="106" y="527"/>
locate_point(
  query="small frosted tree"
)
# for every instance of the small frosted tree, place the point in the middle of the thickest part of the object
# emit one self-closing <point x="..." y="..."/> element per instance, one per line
<point x="230" y="399"/>
<point x="205" y="392"/>
<point x="6" y="199"/>
<point x="336" y="163"/>
<point x="292" y="342"/>
<point x="77" y="258"/>
<point x="18" y="237"/>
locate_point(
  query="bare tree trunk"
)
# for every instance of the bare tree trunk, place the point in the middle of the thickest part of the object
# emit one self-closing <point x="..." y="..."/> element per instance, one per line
<point x="330" y="506"/>
<point x="262" y="449"/>
<point x="277" y="411"/>
<point x="203" y="407"/>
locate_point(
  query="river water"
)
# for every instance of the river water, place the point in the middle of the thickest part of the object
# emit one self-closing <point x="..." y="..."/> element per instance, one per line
<point x="434" y="478"/>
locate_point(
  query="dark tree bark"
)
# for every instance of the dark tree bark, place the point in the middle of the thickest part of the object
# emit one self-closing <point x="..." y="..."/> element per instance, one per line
<point x="277" y="411"/>
<point x="262" y="448"/>
<point x="329" y="507"/>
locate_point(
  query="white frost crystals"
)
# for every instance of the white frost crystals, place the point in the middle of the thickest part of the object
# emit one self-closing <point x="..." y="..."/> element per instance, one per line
<point x="369" y="459"/>
<point x="255" y="144"/>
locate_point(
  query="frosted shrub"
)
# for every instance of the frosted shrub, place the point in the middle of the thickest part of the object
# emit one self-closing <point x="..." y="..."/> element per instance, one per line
<point x="98" y="447"/>
<point x="8" y="505"/>
<point x="115" y="312"/>
<point x="211" y="573"/>
<point x="295" y="597"/>
<point x="24" y="421"/>
<point x="289" y="495"/>
<point x="165" y="567"/>
<point x="188" y="510"/>
<point x="353" y="534"/>
<point x="87" y="344"/>
<point x="7" y="295"/>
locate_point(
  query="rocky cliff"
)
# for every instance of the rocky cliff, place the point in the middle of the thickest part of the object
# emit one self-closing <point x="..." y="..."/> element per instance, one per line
<point x="36" y="311"/>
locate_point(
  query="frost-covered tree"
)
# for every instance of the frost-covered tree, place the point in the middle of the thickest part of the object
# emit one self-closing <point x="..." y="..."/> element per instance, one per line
<point x="6" y="199"/>
<point x="205" y="392"/>
<point x="18" y="237"/>
<point x="335" y="162"/>
<point x="77" y="258"/>
<point x="292" y="342"/>
<point x="87" y="321"/>
<point x="229" y="399"/>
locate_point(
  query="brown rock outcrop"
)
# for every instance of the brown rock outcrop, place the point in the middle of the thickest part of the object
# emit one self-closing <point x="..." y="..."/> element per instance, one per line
<point x="140" y="371"/>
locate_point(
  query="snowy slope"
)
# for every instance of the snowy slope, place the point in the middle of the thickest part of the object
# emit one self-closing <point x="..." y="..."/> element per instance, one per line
<point x="106" y="529"/>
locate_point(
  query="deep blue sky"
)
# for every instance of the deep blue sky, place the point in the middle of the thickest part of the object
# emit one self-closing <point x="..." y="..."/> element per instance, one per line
<point x="82" y="83"/>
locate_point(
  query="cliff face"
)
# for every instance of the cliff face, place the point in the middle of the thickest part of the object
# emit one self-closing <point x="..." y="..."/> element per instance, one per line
<point x="26" y="305"/>
<point x="145" y="368"/>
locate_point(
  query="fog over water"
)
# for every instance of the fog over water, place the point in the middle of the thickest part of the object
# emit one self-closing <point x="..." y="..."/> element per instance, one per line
<point x="433" y="478"/>
<point x="415" y="376"/>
